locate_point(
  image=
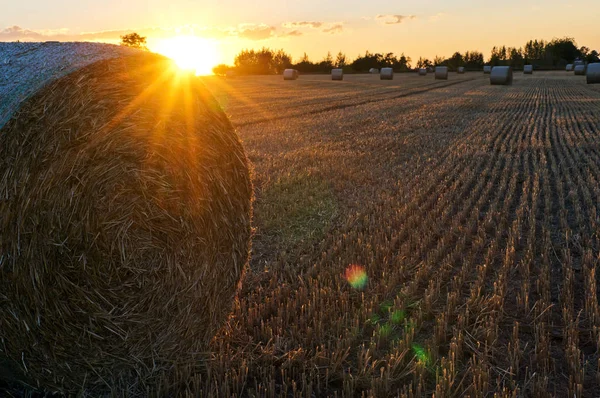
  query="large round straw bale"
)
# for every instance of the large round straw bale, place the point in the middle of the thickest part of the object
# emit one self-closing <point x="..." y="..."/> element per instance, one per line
<point x="501" y="75"/>
<point x="487" y="69"/>
<point x="528" y="69"/>
<point x="441" y="73"/>
<point x="125" y="205"/>
<point x="422" y="71"/>
<point x="579" y="70"/>
<point x="386" y="74"/>
<point x="461" y="70"/>
<point x="569" y="68"/>
<point x="337" y="74"/>
<point x="290" y="74"/>
<point x="374" y="71"/>
<point x="593" y="73"/>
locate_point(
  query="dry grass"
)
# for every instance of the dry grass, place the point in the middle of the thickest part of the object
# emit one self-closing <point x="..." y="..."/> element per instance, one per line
<point x="472" y="208"/>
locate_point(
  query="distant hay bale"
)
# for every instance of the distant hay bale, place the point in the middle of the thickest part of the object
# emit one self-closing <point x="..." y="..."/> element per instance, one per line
<point x="337" y="74"/>
<point x="386" y="74"/>
<point x="578" y="62"/>
<point x="422" y="71"/>
<point x="569" y="68"/>
<point x="461" y="70"/>
<point x="528" y="69"/>
<point x="441" y="73"/>
<point x="579" y="70"/>
<point x="230" y="74"/>
<point x="487" y="69"/>
<point x="593" y="73"/>
<point x="374" y="71"/>
<point x="126" y="201"/>
<point x="290" y="74"/>
<point x="501" y="75"/>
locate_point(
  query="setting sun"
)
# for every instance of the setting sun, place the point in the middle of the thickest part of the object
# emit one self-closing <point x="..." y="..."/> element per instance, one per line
<point x="190" y="53"/>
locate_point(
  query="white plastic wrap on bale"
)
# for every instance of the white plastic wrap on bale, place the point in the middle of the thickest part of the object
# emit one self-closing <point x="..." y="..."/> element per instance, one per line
<point x="386" y="74"/>
<point x="337" y="74"/>
<point x="290" y="74"/>
<point x="579" y="70"/>
<point x="501" y="75"/>
<point x="374" y="71"/>
<point x="422" y="71"/>
<point x="27" y="67"/>
<point x="441" y="73"/>
<point x="569" y="68"/>
<point x="578" y="62"/>
<point x="487" y="69"/>
<point x="528" y="69"/>
<point x="461" y="69"/>
<point x="593" y="73"/>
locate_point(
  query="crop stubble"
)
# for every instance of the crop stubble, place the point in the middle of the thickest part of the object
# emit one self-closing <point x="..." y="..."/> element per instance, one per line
<point x="474" y="212"/>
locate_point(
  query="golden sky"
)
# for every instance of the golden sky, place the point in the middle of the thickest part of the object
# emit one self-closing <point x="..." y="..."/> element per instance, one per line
<point x="426" y="28"/>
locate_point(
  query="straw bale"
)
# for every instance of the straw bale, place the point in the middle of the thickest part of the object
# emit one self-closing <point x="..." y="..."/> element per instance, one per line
<point x="528" y="69"/>
<point x="422" y="71"/>
<point x="441" y="73"/>
<point x="579" y="70"/>
<point x="487" y="69"/>
<point x="569" y="67"/>
<point x="126" y="202"/>
<point x="501" y="75"/>
<point x="386" y="74"/>
<point x="593" y="73"/>
<point x="374" y="71"/>
<point x="461" y="70"/>
<point x="290" y="74"/>
<point x="337" y="74"/>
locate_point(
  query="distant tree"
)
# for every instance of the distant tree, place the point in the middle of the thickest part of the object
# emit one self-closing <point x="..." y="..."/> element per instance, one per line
<point x="593" y="56"/>
<point x="439" y="61"/>
<point x="516" y="57"/>
<point x="221" y="69"/>
<point x="134" y="40"/>
<point x="473" y="60"/>
<point x="563" y="50"/>
<point x="327" y="62"/>
<point x="424" y="63"/>
<point x="455" y="61"/>
<point x="281" y="61"/>
<point x="340" y="60"/>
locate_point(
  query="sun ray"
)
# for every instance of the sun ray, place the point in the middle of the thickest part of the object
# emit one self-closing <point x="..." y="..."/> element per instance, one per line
<point x="190" y="53"/>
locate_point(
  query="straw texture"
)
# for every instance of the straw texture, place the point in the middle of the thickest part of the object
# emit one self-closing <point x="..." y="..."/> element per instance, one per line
<point x="126" y="203"/>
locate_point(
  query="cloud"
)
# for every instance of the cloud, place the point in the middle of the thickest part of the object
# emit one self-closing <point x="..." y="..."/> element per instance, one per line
<point x="394" y="19"/>
<point x="437" y="16"/>
<point x="303" y="24"/>
<point x="245" y="31"/>
<point x="290" y="34"/>
<point x="255" y="32"/>
<point x="334" y="28"/>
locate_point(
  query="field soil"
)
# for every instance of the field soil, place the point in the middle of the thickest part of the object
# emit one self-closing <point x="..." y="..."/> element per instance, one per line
<point x="472" y="209"/>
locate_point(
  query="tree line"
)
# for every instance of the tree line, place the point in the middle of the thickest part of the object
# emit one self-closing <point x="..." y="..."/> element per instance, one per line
<point x="542" y="54"/>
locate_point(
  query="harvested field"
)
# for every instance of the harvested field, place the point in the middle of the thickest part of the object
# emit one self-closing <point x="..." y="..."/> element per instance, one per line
<point x="473" y="210"/>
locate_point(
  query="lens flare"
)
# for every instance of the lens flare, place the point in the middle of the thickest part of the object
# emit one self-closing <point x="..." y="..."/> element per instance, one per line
<point x="356" y="276"/>
<point x="421" y="354"/>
